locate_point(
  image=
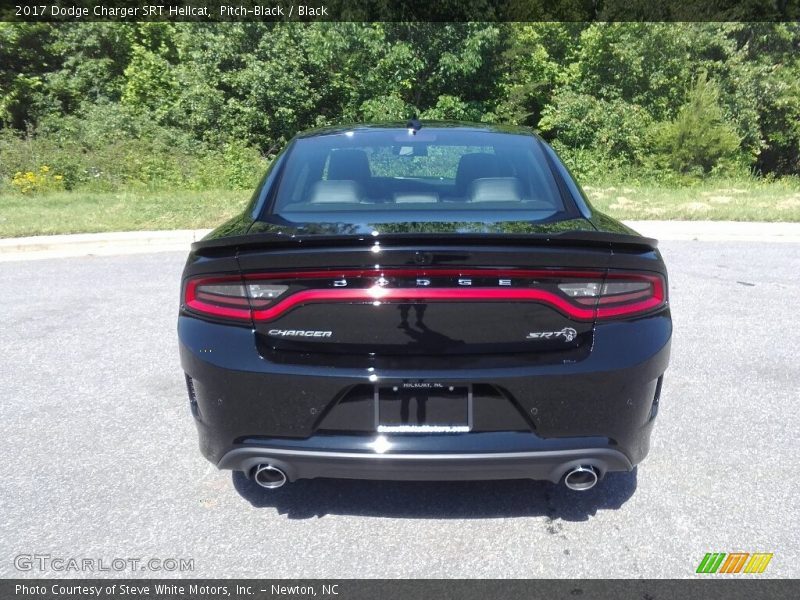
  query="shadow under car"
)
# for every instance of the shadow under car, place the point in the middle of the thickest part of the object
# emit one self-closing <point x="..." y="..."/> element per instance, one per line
<point x="309" y="498"/>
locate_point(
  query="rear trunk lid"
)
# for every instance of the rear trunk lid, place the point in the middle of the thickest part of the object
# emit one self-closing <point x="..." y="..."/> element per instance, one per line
<point x="365" y="290"/>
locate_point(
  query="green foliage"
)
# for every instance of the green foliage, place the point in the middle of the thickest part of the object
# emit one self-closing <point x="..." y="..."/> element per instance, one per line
<point x="532" y="58"/>
<point x="646" y="64"/>
<point x="698" y="139"/>
<point x="85" y="62"/>
<point x="780" y="95"/>
<point x="385" y="108"/>
<point x="150" y="83"/>
<point x="772" y="53"/>
<point x="23" y="58"/>
<point x="109" y="147"/>
<point x="179" y="104"/>
<point x="613" y="129"/>
<point x="452" y="108"/>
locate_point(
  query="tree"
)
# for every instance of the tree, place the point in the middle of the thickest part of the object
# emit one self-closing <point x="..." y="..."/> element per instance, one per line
<point x="699" y="138"/>
<point x="23" y="63"/>
<point x="594" y="89"/>
<point x="613" y="130"/>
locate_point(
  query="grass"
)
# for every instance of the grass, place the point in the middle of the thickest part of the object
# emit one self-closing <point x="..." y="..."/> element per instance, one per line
<point x="739" y="200"/>
<point x="84" y="212"/>
<point x="91" y="212"/>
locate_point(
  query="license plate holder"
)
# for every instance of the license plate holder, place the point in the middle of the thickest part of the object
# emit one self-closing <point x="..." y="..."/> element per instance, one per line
<point x="423" y="407"/>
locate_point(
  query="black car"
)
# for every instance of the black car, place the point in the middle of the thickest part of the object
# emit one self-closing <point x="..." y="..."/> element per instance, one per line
<point x="434" y="301"/>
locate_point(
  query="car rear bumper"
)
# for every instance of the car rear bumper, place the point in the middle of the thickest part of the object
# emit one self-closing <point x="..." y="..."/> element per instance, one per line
<point x="550" y="465"/>
<point x="250" y="408"/>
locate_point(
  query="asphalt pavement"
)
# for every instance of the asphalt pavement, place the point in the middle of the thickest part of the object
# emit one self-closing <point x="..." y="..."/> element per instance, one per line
<point x="99" y="459"/>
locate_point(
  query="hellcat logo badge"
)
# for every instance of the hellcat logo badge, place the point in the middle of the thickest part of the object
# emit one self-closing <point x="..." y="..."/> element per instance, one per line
<point x="568" y="333"/>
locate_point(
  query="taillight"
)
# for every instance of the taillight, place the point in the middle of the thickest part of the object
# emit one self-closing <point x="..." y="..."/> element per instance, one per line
<point x="618" y="294"/>
<point x="230" y="297"/>
<point x="580" y="295"/>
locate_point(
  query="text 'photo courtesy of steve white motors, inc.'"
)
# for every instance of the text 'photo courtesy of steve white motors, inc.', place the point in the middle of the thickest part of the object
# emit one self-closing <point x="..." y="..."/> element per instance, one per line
<point x="150" y="11"/>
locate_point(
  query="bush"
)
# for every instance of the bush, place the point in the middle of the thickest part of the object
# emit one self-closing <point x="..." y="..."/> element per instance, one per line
<point x="698" y="141"/>
<point x="611" y="132"/>
<point x="590" y="165"/>
<point x="110" y="147"/>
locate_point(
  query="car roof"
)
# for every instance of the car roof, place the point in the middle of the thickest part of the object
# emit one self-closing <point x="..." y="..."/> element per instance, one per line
<point x="429" y="125"/>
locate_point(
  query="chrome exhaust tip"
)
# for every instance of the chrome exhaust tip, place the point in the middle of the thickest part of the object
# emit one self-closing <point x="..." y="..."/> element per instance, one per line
<point x="269" y="477"/>
<point x="581" y="478"/>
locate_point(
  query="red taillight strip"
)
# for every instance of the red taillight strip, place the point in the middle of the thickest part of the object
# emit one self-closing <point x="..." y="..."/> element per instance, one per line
<point x="196" y="303"/>
<point x="379" y="294"/>
<point x="218" y="311"/>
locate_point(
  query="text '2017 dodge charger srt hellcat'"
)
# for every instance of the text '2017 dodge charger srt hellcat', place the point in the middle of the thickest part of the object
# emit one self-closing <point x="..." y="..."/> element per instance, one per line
<point x="434" y="302"/>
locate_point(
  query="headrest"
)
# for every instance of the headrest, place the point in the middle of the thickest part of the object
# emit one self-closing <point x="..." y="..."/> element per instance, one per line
<point x="496" y="189"/>
<point x="348" y="163"/>
<point x="474" y="166"/>
<point x="343" y="191"/>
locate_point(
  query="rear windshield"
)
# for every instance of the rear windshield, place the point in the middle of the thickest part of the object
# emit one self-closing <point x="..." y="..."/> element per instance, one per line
<point x="427" y="175"/>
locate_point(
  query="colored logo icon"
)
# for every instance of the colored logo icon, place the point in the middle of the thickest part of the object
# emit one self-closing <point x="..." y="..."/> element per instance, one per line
<point x="736" y="562"/>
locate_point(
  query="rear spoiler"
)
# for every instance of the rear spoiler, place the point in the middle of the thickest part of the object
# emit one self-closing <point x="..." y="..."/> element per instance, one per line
<point x="599" y="239"/>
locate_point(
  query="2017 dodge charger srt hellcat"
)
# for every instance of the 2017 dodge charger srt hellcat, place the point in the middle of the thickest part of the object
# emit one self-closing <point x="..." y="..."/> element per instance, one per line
<point x="432" y="301"/>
